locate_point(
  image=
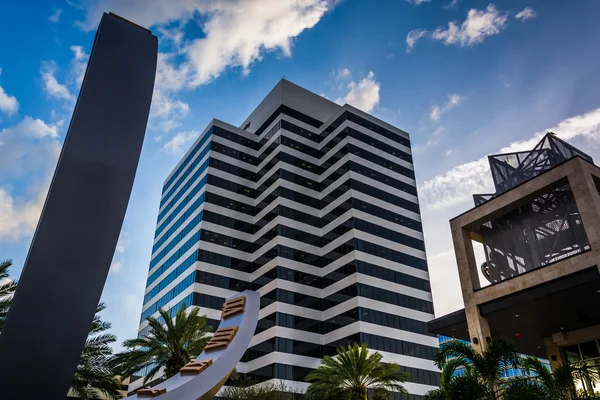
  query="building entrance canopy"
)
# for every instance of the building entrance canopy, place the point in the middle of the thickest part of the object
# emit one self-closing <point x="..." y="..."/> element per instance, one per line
<point x="562" y="305"/>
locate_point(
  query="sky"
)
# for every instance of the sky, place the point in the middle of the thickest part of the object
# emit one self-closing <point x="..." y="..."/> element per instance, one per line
<point x="465" y="78"/>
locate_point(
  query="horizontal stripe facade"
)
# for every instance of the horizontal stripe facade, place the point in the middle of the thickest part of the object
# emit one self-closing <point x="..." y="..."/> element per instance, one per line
<point x="322" y="219"/>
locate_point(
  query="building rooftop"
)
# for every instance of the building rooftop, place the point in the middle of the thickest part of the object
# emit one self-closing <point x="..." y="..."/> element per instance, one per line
<point x="286" y="93"/>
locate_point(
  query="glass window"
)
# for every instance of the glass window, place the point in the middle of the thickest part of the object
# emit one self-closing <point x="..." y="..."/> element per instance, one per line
<point x="572" y="353"/>
<point x="589" y="350"/>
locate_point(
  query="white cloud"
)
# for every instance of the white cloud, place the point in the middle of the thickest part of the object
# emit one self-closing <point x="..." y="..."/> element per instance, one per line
<point x="54" y="18"/>
<point x="457" y="185"/>
<point x="51" y="84"/>
<point x="443" y="276"/>
<point x="179" y="143"/>
<point x="432" y="141"/>
<point x="29" y="152"/>
<point x="478" y="25"/>
<point x="173" y="34"/>
<point x="8" y="104"/>
<point x="451" y="5"/>
<point x="18" y="218"/>
<point x="123" y="243"/>
<point x="525" y="14"/>
<point x="29" y="127"/>
<point x="341" y="74"/>
<point x="437" y="111"/>
<point x="236" y="32"/>
<point x="139" y="11"/>
<point x="78" y="63"/>
<point x="418" y="2"/>
<point x="167" y="110"/>
<point x="115" y="267"/>
<point x="413" y="36"/>
<point x="363" y="95"/>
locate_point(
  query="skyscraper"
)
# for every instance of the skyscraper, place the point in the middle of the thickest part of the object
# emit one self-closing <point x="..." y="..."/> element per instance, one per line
<point x="314" y="205"/>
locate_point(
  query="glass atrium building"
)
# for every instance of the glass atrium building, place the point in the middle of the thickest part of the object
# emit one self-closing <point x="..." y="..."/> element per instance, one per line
<point x="314" y="205"/>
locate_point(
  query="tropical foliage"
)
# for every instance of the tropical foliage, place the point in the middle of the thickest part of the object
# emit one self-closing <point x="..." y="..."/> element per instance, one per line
<point x="481" y="373"/>
<point x="240" y="389"/>
<point x="170" y="345"/>
<point x="469" y="375"/>
<point x="557" y="385"/>
<point x="93" y="376"/>
<point x="7" y="289"/>
<point x="352" y="374"/>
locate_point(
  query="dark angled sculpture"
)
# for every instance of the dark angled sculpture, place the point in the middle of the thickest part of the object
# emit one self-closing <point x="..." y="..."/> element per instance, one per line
<point x="75" y="239"/>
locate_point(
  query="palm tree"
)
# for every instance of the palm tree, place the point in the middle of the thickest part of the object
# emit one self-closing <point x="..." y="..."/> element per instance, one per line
<point x="93" y="376"/>
<point x="551" y="387"/>
<point x="7" y="289"/>
<point x="451" y="379"/>
<point x="170" y="346"/>
<point x="353" y="373"/>
<point x="525" y="389"/>
<point x="482" y="374"/>
<point x="560" y="384"/>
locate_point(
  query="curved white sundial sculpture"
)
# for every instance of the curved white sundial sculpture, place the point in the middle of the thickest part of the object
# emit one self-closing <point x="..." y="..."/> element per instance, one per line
<point x="202" y="378"/>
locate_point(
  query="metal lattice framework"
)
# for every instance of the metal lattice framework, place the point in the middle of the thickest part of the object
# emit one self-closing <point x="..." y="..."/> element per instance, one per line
<point x="512" y="169"/>
<point x="544" y="231"/>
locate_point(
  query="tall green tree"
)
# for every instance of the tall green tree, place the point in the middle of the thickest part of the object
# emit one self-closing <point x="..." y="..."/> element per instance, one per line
<point x="451" y="380"/>
<point x="352" y="374"/>
<point x="557" y="385"/>
<point x="170" y="346"/>
<point x="524" y="389"/>
<point x="7" y="289"/>
<point x="482" y="372"/>
<point x="94" y="376"/>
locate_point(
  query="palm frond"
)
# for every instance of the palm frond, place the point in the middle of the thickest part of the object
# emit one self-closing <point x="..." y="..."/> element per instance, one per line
<point x="352" y="373"/>
<point x="169" y="345"/>
<point x="4" y="266"/>
<point x="94" y="375"/>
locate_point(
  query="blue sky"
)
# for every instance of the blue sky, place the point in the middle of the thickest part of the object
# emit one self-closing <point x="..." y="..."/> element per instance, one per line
<point x="464" y="78"/>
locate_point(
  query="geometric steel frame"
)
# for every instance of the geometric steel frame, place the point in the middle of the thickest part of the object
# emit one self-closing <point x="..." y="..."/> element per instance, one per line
<point x="512" y="169"/>
<point x="543" y="231"/>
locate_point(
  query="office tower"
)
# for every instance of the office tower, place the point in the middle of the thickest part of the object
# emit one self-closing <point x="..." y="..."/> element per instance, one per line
<point x="314" y="205"/>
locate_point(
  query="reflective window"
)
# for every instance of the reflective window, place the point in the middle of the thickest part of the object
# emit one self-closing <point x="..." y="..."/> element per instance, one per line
<point x="186" y="161"/>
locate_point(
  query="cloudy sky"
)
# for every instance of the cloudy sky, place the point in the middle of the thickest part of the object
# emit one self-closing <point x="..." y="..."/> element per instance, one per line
<point x="464" y="78"/>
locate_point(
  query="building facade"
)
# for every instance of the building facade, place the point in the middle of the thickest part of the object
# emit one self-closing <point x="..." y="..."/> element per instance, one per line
<point x="314" y="205"/>
<point x="540" y="233"/>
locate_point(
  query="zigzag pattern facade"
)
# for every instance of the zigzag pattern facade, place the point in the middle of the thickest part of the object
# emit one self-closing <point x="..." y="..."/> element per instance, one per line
<point x="322" y="219"/>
